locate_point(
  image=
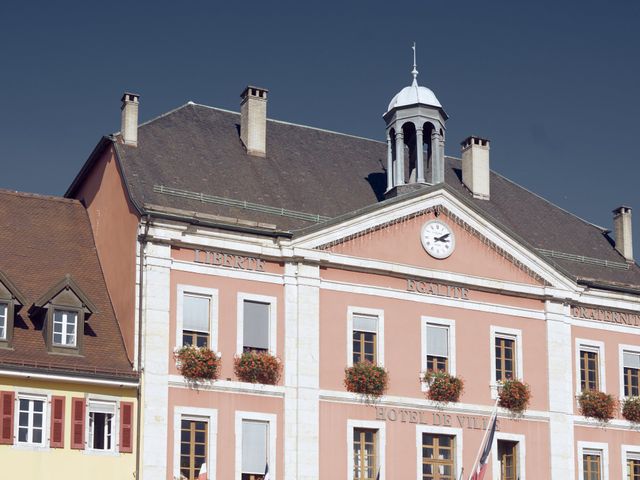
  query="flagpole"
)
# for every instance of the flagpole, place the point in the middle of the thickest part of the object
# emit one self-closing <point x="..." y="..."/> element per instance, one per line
<point x="486" y="432"/>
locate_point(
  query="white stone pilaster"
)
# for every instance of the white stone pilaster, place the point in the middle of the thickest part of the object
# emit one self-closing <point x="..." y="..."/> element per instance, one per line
<point x="561" y="428"/>
<point x="290" y="372"/>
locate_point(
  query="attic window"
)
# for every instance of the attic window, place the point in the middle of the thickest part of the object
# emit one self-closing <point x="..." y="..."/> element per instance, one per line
<point x="4" y="308"/>
<point x="65" y="328"/>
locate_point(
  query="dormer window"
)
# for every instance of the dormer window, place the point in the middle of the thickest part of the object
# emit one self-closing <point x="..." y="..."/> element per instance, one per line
<point x="11" y="300"/>
<point x="65" y="328"/>
<point x="3" y="320"/>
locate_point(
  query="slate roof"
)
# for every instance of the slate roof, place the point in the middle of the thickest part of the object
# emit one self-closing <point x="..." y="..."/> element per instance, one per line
<point x="196" y="150"/>
<point x="43" y="239"/>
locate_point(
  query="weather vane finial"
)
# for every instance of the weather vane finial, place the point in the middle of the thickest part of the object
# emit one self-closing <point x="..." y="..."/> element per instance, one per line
<point x="414" y="72"/>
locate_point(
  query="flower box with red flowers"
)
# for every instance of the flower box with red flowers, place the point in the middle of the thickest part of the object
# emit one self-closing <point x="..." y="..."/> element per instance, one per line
<point x="367" y="379"/>
<point x="598" y="405"/>
<point x="198" y="363"/>
<point x="631" y="409"/>
<point x="443" y="387"/>
<point x="514" y="395"/>
<point x="257" y="367"/>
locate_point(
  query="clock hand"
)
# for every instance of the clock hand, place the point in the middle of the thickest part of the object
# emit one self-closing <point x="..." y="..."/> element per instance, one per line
<point x="442" y="238"/>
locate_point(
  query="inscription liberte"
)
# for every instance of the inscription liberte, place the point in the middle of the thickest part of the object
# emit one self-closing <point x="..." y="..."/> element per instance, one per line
<point x="433" y="418"/>
<point x="605" y="315"/>
<point x="439" y="289"/>
<point x="228" y="260"/>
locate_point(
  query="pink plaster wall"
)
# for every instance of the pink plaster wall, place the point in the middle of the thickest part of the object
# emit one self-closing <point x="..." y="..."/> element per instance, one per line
<point x="400" y="243"/>
<point x="614" y="439"/>
<point x="227" y="404"/>
<point x="114" y="222"/>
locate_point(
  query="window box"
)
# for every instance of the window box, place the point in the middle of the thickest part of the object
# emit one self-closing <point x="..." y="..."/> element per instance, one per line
<point x="598" y="405"/>
<point x="631" y="409"/>
<point x="258" y="367"/>
<point x="443" y="387"/>
<point x="197" y="364"/>
<point x="367" y="379"/>
<point x="514" y="395"/>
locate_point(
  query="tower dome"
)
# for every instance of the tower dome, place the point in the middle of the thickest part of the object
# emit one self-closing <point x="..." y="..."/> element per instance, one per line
<point x="412" y="95"/>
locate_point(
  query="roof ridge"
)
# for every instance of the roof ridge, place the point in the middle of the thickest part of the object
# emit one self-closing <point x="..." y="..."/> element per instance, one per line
<point x="39" y="196"/>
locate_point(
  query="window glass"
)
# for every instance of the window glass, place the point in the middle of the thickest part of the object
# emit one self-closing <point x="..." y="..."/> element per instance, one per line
<point x="505" y="358"/>
<point x="254" y="448"/>
<point x="193" y="447"/>
<point x="195" y="317"/>
<point x="64" y="328"/>
<point x="365" y="328"/>
<point x="365" y="462"/>
<point x="255" y="328"/>
<point x="101" y="425"/>
<point x="633" y="467"/>
<point x="508" y="458"/>
<point x="631" y="371"/>
<point x="437" y="348"/>
<point x="31" y="421"/>
<point x="3" y="321"/>
<point x="589" y="370"/>
<point x="591" y="466"/>
<point x="438" y="453"/>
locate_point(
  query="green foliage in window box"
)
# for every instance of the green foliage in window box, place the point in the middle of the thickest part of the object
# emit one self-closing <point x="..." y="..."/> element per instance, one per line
<point x="443" y="387"/>
<point x="367" y="379"/>
<point x="631" y="409"/>
<point x="196" y="363"/>
<point x="598" y="405"/>
<point x="257" y="367"/>
<point x="514" y="395"/>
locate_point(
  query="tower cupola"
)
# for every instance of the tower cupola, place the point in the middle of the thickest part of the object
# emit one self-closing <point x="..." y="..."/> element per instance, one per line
<point x="415" y="122"/>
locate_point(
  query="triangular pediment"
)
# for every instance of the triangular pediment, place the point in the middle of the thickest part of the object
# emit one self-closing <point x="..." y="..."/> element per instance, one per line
<point x="67" y="291"/>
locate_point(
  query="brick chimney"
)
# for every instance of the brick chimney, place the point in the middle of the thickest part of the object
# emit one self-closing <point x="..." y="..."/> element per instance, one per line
<point x="253" y="120"/>
<point x="475" y="166"/>
<point x="129" y="127"/>
<point x="622" y="231"/>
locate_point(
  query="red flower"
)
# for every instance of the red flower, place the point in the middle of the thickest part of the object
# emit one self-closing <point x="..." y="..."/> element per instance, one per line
<point x="514" y="395"/>
<point x="598" y="405"/>
<point x="367" y="379"/>
<point x="257" y="367"/>
<point x="198" y="363"/>
<point x="631" y="409"/>
<point x="443" y="387"/>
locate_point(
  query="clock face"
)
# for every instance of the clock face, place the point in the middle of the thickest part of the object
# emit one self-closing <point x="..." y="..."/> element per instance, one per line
<point x="438" y="239"/>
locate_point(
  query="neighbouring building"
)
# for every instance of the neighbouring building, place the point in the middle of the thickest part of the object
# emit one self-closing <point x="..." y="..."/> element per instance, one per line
<point x="240" y="233"/>
<point x="68" y="392"/>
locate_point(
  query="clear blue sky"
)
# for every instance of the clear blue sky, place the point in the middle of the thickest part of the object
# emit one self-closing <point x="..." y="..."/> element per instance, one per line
<point x="554" y="85"/>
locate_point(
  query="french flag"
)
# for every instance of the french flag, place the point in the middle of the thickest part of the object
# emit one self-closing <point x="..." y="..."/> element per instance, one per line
<point x="203" y="472"/>
<point x="480" y="469"/>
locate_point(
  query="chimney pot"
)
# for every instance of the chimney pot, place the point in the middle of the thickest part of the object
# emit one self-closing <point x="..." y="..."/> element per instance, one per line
<point x="253" y="120"/>
<point x="129" y="125"/>
<point x="623" y="232"/>
<point x="475" y="166"/>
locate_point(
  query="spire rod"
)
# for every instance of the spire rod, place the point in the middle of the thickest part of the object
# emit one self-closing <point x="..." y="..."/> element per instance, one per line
<point x="414" y="72"/>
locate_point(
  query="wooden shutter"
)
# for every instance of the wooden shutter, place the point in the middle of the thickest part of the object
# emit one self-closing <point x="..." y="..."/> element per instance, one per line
<point x="126" y="430"/>
<point x="77" y="423"/>
<point x="7" y="403"/>
<point x="57" y="422"/>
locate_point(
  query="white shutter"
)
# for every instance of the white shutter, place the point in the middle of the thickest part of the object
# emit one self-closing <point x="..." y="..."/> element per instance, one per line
<point x="255" y="329"/>
<point x="365" y="323"/>
<point x="254" y="446"/>
<point x="195" y="313"/>
<point x="438" y="340"/>
<point x="631" y="360"/>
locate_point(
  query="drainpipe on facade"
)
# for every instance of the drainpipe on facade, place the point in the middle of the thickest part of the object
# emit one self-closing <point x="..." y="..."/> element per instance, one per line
<point x="143" y="241"/>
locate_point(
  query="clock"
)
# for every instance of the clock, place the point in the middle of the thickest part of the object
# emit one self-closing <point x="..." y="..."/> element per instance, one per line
<point x="438" y="239"/>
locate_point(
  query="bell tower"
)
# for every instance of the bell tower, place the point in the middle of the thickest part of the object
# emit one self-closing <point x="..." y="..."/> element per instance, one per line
<point x="415" y="124"/>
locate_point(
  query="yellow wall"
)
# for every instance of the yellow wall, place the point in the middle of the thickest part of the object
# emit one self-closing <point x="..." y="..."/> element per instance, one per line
<point x="65" y="463"/>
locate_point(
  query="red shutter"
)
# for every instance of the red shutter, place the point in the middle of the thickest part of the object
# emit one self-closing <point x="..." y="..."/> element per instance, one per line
<point x="57" y="422"/>
<point x="77" y="423"/>
<point x="7" y="403"/>
<point x="126" y="430"/>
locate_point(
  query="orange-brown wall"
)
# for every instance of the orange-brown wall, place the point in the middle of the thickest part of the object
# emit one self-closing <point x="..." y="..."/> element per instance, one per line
<point x="114" y="222"/>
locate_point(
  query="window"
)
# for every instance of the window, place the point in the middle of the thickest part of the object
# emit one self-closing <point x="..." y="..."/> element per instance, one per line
<point x="633" y="466"/>
<point x="31" y="420"/>
<point x="365" y="330"/>
<point x="255" y="448"/>
<point x="592" y="465"/>
<point x="365" y="454"/>
<point x="101" y="425"/>
<point x="438" y="457"/>
<point x="505" y="358"/>
<point x="4" y="309"/>
<point x="195" y="316"/>
<point x="589" y="369"/>
<point x="65" y="326"/>
<point x="194" y="434"/>
<point x="256" y="323"/>
<point x="508" y="458"/>
<point x="437" y="348"/>
<point x="631" y="373"/>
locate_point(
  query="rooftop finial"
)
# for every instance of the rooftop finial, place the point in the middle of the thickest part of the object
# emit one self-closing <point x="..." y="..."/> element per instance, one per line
<point x="414" y="72"/>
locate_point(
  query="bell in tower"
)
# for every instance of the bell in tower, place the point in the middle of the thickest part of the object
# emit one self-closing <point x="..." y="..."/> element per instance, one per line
<point x="415" y="138"/>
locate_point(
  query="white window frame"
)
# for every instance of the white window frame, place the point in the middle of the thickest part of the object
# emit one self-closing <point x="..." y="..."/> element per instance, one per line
<point x="586" y="447"/>
<point x="269" y="418"/>
<point x="371" y="312"/>
<point x="627" y="451"/>
<point x="590" y="345"/>
<point x="381" y="442"/>
<point x="456" y="432"/>
<point x="273" y="319"/>
<point x="192" y="413"/>
<point x="46" y="430"/>
<point x="635" y="349"/>
<point x="3" y="319"/>
<point x="440" y="322"/>
<point x="510" y="437"/>
<point x="115" y="447"/>
<point x="65" y="312"/>
<point x="514" y="334"/>
<point x="212" y="294"/>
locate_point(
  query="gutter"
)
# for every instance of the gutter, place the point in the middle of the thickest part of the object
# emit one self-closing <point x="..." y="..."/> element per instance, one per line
<point x="65" y="378"/>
